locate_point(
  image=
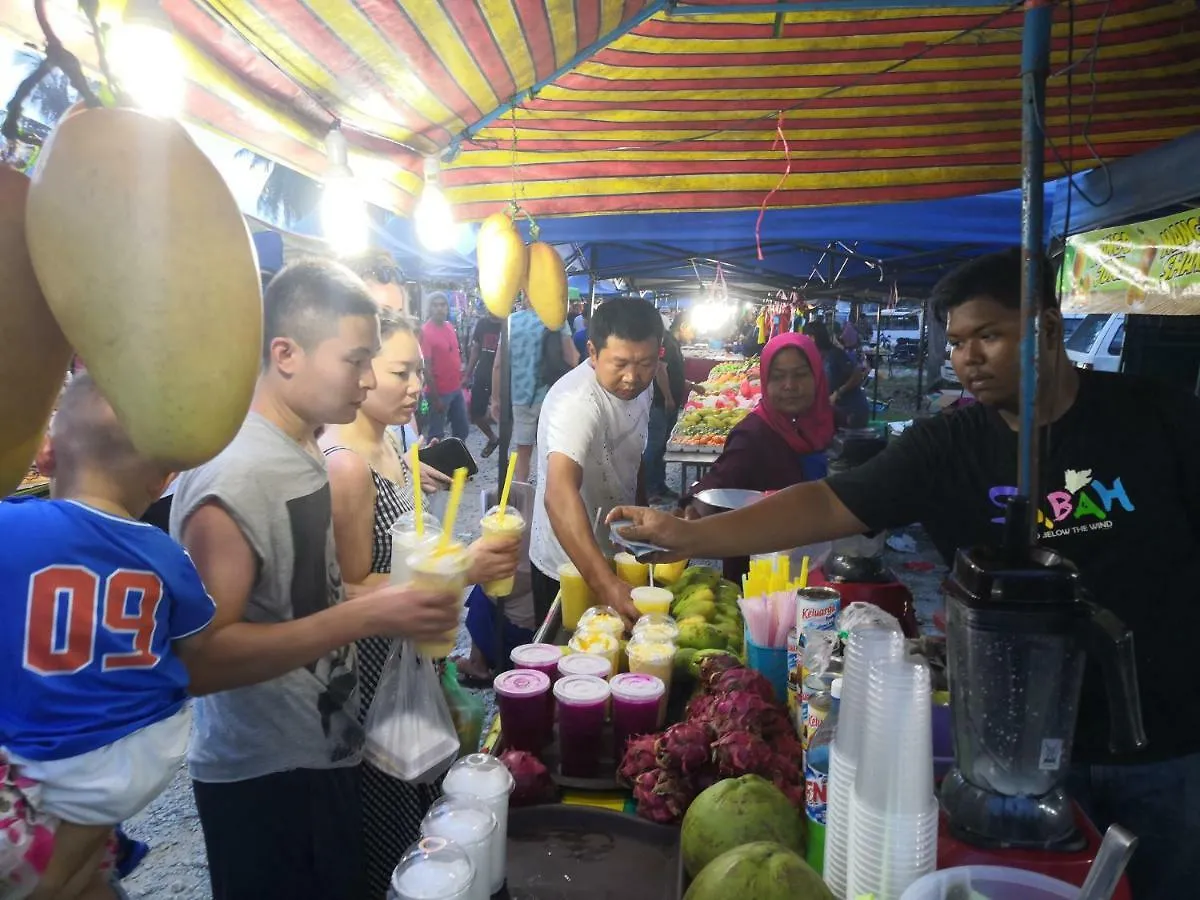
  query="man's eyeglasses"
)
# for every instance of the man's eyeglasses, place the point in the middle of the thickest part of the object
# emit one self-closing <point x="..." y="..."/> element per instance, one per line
<point x="385" y="274"/>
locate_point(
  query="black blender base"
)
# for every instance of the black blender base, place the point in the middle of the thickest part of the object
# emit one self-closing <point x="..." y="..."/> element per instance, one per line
<point x="1000" y="822"/>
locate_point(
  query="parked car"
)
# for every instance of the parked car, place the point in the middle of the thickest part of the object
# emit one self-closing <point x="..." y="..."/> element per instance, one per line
<point x="1096" y="341"/>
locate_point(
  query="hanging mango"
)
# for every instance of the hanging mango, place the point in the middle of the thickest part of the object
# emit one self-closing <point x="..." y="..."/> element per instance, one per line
<point x="503" y="262"/>
<point x="547" y="285"/>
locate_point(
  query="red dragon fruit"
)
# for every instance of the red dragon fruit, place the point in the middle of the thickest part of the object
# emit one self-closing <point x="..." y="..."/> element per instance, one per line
<point x="663" y="797"/>
<point x="639" y="758"/>
<point x="739" y="753"/>
<point x="794" y="792"/>
<point x="533" y="781"/>
<point x="684" y="747"/>
<point x="775" y="725"/>
<point x="733" y="680"/>
<point x="738" y="711"/>
<point x="785" y="769"/>
<point x="714" y="665"/>
<point x="700" y="707"/>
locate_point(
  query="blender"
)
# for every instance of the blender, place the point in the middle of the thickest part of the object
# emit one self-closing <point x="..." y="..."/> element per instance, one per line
<point x="1019" y="629"/>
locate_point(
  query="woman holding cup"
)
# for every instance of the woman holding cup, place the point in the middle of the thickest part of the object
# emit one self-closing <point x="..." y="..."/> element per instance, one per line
<point x="371" y="488"/>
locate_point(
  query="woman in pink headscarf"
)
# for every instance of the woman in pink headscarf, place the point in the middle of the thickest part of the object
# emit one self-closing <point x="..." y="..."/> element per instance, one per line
<point x="783" y="441"/>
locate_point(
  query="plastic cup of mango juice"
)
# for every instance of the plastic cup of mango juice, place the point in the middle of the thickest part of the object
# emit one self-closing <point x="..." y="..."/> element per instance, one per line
<point x="576" y="596"/>
<point x="446" y="571"/>
<point x="597" y="643"/>
<point x="494" y="525"/>
<point x="652" y="600"/>
<point x="651" y="657"/>
<point x="406" y="541"/>
<point x="630" y="571"/>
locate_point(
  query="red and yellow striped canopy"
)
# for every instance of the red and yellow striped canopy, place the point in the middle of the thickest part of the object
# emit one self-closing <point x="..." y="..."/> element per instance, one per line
<point x="631" y="105"/>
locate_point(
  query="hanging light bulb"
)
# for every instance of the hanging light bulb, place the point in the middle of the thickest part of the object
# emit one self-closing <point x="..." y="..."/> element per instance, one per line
<point x="432" y="216"/>
<point x="343" y="209"/>
<point x="146" y="59"/>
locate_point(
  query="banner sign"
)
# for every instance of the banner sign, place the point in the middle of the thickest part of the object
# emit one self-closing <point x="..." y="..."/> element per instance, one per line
<point x="1151" y="267"/>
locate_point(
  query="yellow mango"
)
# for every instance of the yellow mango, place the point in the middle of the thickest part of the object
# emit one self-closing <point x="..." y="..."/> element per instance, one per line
<point x="503" y="262"/>
<point x="547" y="290"/>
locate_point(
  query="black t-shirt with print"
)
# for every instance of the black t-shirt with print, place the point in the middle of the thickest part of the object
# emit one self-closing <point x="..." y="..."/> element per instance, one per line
<point x="1121" y="499"/>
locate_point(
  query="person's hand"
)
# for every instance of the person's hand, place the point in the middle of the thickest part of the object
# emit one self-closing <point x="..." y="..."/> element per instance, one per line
<point x="650" y="526"/>
<point x="403" y="611"/>
<point x="690" y="513"/>
<point x="619" y="595"/>
<point x="433" y="481"/>
<point x="493" y="558"/>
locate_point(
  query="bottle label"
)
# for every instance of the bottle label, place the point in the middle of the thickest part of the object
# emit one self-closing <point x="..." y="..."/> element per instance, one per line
<point x="816" y="794"/>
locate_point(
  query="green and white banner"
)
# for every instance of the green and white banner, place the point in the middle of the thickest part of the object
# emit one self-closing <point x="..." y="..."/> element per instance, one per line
<point x="1151" y="267"/>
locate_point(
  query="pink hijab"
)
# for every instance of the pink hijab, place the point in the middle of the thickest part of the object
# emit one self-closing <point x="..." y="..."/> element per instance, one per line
<point x="813" y="430"/>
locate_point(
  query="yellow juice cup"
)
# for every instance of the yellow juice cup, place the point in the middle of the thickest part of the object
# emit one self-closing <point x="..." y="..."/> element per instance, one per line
<point x="441" y="572"/>
<point x="597" y="643"/>
<point x="656" y="628"/>
<point x="651" y="657"/>
<point x="630" y="571"/>
<point x="576" y="596"/>
<point x="669" y="573"/>
<point x="494" y="525"/>
<point x="652" y="600"/>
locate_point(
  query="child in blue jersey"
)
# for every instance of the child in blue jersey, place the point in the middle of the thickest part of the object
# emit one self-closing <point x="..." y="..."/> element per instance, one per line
<point x="100" y="614"/>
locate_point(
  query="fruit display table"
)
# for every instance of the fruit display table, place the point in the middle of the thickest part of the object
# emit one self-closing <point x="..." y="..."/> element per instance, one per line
<point x="691" y="459"/>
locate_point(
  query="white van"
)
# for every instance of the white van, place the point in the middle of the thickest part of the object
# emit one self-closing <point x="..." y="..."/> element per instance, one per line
<point x="1095" y="341"/>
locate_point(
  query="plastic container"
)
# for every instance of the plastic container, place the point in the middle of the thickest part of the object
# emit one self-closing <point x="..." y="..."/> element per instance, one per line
<point x="657" y="627"/>
<point x="603" y="620"/>
<point x="895" y="775"/>
<point x="486" y="779"/>
<point x="772" y="663"/>
<point x="582" y="702"/>
<point x="433" y="869"/>
<point x="446" y="571"/>
<point x="598" y="643"/>
<point x="525" y="713"/>
<point x="865" y="646"/>
<point x="636" y="703"/>
<point x="584" y="664"/>
<point x="539" y="657"/>
<point x="991" y="882"/>
<point x="630" y="571"/>
<point x="576" y="596"/>
<point x="511" y="524"/>
<point x="406" y="541"/>
<point x="816" y="780"/>
<point x="470" y="825"/>
<point x="838" y="803"/>
<point x="652" y="600"/>
<point x="650" y="657"/>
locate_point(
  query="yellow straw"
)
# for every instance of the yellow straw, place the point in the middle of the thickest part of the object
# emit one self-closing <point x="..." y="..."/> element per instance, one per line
<point x="785" y="567"/>
<point x="456" y="492"/>
<point x="804" y="572"/>
<point x="414" y="465"/>
<point x="508" y="477"/>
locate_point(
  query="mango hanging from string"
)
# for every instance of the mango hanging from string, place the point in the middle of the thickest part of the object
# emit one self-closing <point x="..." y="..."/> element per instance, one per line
<point x="503" y="263"/>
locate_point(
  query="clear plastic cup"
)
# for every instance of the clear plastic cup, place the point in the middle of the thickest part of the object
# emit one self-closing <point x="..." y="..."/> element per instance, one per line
<point x="657" y="627"/>
<point x="630" y="571"/>
<point x="433" y="869"/>
<point x="540" y="657"/>
<point x="652" y="600"/>
<point x="636" y="700"/>
<point x="585" y="664"/>
<point x="482" y="776"/>
<point x="895" y="775"/>
<point x="863" y="647"/>
<point x="470" y="825"/>
<point x="576" y="596"/>
<point x="600" y="644"/>
<point x="603" y="619"/>
<point x="651" y="657"/>
<point x="446" y="572"/>
<point x="838" y="811"/>
<point x="526" y="713"/>
<point x="582" y="703"/>
<point x="406" y="541"/>
<point x="493" y="524"/>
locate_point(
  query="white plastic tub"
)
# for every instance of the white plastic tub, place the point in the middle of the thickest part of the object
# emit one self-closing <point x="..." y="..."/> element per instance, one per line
<point x="989" y="883"/>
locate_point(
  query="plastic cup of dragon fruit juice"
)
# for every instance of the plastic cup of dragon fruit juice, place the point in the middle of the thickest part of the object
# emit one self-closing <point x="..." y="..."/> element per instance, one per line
<point x="539" y="657"/>
<point x="582" y="702"/>
<point x="635" y="704"/>
<point x="525" y="716"/>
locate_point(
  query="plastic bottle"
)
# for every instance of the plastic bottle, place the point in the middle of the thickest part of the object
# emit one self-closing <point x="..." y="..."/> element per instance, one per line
<point x="816" y="780"/>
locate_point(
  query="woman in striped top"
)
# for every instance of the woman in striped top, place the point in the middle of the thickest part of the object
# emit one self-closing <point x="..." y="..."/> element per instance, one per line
<point x="371" y="487"/>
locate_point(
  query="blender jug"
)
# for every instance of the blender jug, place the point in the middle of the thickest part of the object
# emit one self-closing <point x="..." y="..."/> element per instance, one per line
<point x="1018" y="634"/>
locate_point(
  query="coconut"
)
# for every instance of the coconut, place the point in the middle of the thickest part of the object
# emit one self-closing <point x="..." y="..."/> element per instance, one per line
<point x="738" y="811"/>
<point x="762" y="870"/>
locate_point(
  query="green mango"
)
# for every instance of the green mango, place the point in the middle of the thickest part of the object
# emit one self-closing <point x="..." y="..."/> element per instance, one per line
<point x="701" y="637"/>
<point x="689" y="607"/>
<point x="685" y="657"/>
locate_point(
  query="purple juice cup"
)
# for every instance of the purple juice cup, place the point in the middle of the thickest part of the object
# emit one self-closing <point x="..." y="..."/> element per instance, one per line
<point x="539" y="657"/>
<point x="582" y="701"/>
<point x="525" y="721"/>
<point x="635" y="704"/>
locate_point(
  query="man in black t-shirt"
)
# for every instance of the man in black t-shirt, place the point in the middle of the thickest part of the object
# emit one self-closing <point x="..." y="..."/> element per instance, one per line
<point x="1120" y="497"/>
<point x="478" y="377"/>
<point x="670" y="393"/>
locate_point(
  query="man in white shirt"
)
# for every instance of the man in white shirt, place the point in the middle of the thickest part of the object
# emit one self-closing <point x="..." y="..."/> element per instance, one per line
<point x="591" y="436"/>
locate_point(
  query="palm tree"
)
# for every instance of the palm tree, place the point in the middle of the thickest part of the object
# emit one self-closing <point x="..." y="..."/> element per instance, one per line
<point x="287" y="196"/>
<point x="53" y="95"/>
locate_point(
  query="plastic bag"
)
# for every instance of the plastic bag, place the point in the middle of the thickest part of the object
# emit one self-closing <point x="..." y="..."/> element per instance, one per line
<point x="410" y="734"/>
<point x="465" y="709"/>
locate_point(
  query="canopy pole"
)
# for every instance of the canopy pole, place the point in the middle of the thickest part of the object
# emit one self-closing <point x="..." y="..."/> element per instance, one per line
<point x="1035" y="67"/>
<point x="503" y="393"/>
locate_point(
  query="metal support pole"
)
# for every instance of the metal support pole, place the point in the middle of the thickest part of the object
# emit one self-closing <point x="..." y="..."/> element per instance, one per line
<point x="503" y="393"/>
<point x="1035" y="67"/>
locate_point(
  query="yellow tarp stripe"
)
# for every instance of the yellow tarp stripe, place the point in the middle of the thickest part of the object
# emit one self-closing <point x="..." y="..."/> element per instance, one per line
<point x="610" y="15"/>
<point x="561" y="14"/>
<point x="435" y="26"/>
<point x="506" y="28"/>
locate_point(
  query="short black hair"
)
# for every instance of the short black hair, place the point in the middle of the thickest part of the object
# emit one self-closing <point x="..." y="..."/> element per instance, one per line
<point x="819" y="332"/>
<point x="627" y="319"/>
<point x="307" y="298"/>
<point x="996" y="276"/>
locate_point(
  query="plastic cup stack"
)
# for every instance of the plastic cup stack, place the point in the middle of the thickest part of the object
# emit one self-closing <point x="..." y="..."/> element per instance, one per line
<point x="486" y="779"/>
<point x="433" y="869"/>
<point x="469" y="824"/>
<point x="894" y="819"/>
<point x="864" y="647"/>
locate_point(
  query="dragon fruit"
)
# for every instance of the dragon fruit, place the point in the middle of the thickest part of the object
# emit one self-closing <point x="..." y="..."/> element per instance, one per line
<point x="639" y="758"/>
<point x="533" y="782"/>
<point x="735" y="680"/>
<point x="742" y="753"/>
<point x="712" y="666"/>
<point x="776" y="725"/>
<point x="662" y="796"/>
<point x="699" y="708"/>
<point x="684" y="747"/>
<point x="738" y="711"/>
<point x="785" y="769"/>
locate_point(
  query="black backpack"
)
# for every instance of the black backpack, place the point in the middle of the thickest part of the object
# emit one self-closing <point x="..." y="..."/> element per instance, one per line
<point x="553" y="365"/>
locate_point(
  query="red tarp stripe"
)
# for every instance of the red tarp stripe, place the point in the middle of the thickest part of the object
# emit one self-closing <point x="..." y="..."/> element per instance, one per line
<point x="481" y="43"/>
<point x="535" y="23"/>
<point x="632" y="8"/>
<point x="587" y="22"/>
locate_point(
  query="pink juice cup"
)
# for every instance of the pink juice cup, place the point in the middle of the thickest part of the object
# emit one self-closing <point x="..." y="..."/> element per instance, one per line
<point x="635" y="703"/>
<point x="525" y="716"/>
<point x="539" y="657"/>
<point x="582" y="700"/>
<point x="584" y="664"/>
